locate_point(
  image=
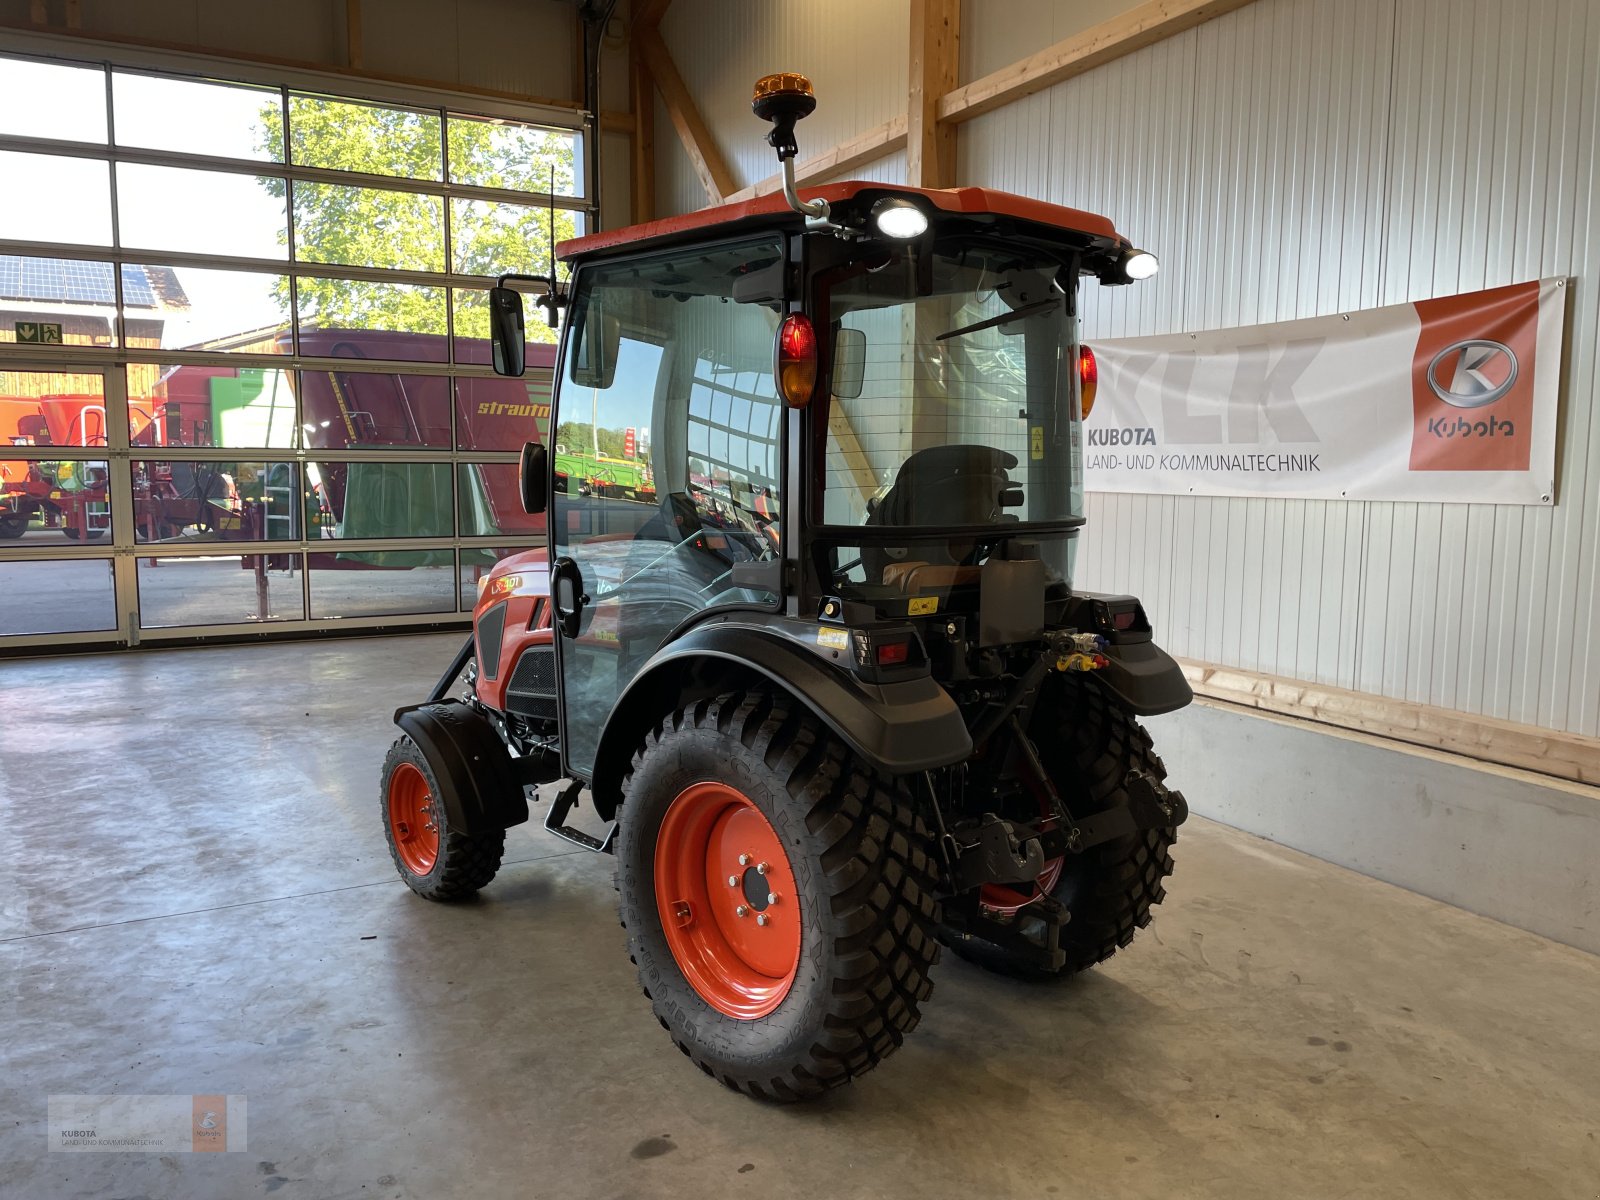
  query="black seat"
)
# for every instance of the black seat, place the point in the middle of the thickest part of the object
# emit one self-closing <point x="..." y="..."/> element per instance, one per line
<point x="936" y="488"/>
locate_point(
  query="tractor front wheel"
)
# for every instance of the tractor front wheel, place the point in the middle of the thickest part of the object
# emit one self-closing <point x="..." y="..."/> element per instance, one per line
<point x="436" y="862"/>
<point x="13" y="525"/>
<point x="779" y="897"/>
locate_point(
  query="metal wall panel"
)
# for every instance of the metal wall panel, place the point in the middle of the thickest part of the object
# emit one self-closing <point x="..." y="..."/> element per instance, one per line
<point x="1347" y="155"/>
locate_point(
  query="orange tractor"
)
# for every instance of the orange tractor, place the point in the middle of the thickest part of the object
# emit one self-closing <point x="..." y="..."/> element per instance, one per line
<point x="829" y="695"/>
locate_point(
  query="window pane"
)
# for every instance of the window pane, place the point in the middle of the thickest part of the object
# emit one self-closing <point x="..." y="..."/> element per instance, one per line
<point x="52" y="408"/>
<point x="355" y="318"/>
<point x="198" y="117"/>
<point x="472" y="330"/>
<point x="194" y="308"/>
<point x="56" y="597"/>
<point x="491" y="502"/>
<point x="368" y="227"/>
<point x="210" y="406"/>
<point x="228" y="589"/>
<point x="201" y="212"/>
<point x="379" y="500"/>
<point x="383" y="582"/>
<point x="47" y="501"/>
<point x="501" y="414"/>
<point x="478" y="561"/>
<point x="52" y="100"/>
<point x="503" y="154"/>
<point x="49" y="198"/>
<point x="366" y="409"/>
<point x="215" y="501"/>
<point x="491" y="238"/>
<point x="37" y="293"/>
<point x="350" y="136"/>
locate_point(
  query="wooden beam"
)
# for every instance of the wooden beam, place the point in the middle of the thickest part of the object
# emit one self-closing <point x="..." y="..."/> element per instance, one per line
<point x="703" y="154"/>
<point x="38" y="12"/>
<point x="74" y="14"/>
<point x="354" y="53"/>
<point x="648" y="13"/>
<point x="1133" y="30"/>
<point x="1568" y="756"/>
<point x="935" y="70"/>
<point x="866" y="147"/>
<point x="644" y="139"/>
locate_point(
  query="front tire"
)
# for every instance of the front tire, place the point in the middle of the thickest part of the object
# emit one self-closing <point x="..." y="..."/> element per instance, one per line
<point x="829" y="984"/>
<point x="436" y="862"/>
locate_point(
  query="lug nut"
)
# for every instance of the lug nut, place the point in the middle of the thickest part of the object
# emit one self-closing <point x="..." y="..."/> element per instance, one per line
<point x="743" y="910"/>
<point x="772" y="897"/>
<point x="733" y="881"/>
<point x="761" y="868"/>
<point x="744" y="860"/>
<point x="761" y="918"/>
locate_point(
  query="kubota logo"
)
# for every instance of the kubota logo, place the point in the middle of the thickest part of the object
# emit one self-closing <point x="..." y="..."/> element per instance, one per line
<point x="1472" y="373"/>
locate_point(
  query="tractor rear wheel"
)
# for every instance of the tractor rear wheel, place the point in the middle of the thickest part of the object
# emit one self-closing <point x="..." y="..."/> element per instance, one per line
<point x="1089" y="746"/>
<point x="436" y="862"/>
<point x="779" y="897"/>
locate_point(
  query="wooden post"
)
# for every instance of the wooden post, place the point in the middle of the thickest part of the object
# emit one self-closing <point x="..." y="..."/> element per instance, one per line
<point x="935" y="70"/>
<point x="354" y="54"/>
<point x="703" y="154"/>
<point x="644" y="138"/>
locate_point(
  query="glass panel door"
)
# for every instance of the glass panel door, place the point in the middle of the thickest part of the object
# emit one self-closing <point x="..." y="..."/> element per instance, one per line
<point x="57" y="531"/>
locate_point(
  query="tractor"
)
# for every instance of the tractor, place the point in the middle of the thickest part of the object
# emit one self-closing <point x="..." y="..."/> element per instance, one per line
<point x="825" y="690"/>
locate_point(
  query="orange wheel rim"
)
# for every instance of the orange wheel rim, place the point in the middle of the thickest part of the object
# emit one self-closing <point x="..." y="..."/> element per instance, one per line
<point x="413" y="819"/>
<point x="726" y="896"/>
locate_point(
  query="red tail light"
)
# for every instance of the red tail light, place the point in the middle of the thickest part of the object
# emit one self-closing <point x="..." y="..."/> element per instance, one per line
<point x="797" y="360"/>
<point x="1088" y="378"/>
<point x="892" y="654"/>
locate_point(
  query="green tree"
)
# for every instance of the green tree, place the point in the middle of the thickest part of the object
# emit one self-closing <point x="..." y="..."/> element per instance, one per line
<point x="381" y="227"/>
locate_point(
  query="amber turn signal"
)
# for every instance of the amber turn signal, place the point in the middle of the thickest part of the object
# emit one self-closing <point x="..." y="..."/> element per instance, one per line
<point x="796" y="360"/>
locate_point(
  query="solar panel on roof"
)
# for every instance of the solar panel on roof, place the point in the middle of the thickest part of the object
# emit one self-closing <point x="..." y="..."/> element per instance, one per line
<point x="71" y="281"/>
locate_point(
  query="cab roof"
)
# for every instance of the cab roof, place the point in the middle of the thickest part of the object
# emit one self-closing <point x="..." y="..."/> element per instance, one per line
<point x="970" y="200"/>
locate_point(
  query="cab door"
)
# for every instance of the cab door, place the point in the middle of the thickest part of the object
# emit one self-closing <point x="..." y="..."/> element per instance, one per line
<point x="666" y="453"/>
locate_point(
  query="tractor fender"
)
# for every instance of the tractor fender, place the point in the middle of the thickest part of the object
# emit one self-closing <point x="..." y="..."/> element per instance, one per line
<point x="1144" y="678"/>
<point x="478" y="781"/>
<point x="902" y="727"/>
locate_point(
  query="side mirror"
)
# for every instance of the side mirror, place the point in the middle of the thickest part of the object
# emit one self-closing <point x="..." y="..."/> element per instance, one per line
<point x="849" y="363"/>
<point x="594" y="362"/>
<point x="507" y="331"/>
<point x="531" y="477"/>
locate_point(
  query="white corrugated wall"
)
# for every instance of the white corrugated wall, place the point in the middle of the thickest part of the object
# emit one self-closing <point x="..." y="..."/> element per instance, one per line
<point x="1294" y="158"/>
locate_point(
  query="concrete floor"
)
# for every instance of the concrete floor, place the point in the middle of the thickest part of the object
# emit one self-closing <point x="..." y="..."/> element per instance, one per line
<point x="197" y="899"/>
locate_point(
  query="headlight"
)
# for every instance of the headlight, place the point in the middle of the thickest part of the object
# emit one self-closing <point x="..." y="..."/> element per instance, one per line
<point x="1140" y="264"/>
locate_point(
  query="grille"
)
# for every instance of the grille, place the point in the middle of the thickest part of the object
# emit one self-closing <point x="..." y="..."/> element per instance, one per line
<point x="532" y="690"/>
<point x="491" y="627"/>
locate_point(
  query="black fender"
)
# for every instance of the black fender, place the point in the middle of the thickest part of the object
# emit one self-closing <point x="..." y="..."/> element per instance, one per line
<point x="901" y="727"/>
<point x="1143" y="678"/>
<point x="479" y="783"/>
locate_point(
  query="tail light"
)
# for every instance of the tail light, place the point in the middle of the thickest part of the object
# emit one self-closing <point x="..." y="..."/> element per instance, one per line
<point x="1088" y="378"/>
<point x="797" y="360"/>
<point x="893" y="654"/>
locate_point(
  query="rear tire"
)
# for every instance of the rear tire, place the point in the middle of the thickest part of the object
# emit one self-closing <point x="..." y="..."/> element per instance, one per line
<point x="857" y="857"/>
<point x="13" y="525"/>
<point x="436" y="862"/>
<point x="1089" y="745"/>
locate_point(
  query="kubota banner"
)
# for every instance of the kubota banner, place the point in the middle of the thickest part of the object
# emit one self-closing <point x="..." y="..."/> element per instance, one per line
<point x="1444" y="400"/>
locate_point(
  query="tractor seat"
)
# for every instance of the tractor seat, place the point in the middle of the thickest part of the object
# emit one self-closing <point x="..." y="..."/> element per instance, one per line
<point x="936" y="488"/>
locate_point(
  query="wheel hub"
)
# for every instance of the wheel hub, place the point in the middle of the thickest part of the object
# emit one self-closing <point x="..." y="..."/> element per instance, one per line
<point x="725" y="893"/>
<point x="413" y="819"/>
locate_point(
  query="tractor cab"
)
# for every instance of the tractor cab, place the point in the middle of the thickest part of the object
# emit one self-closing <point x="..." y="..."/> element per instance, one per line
<point x="805" y="635"/>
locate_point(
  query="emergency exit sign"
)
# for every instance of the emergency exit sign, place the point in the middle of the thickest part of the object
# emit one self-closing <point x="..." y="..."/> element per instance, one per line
<point x="39" y="333"/>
